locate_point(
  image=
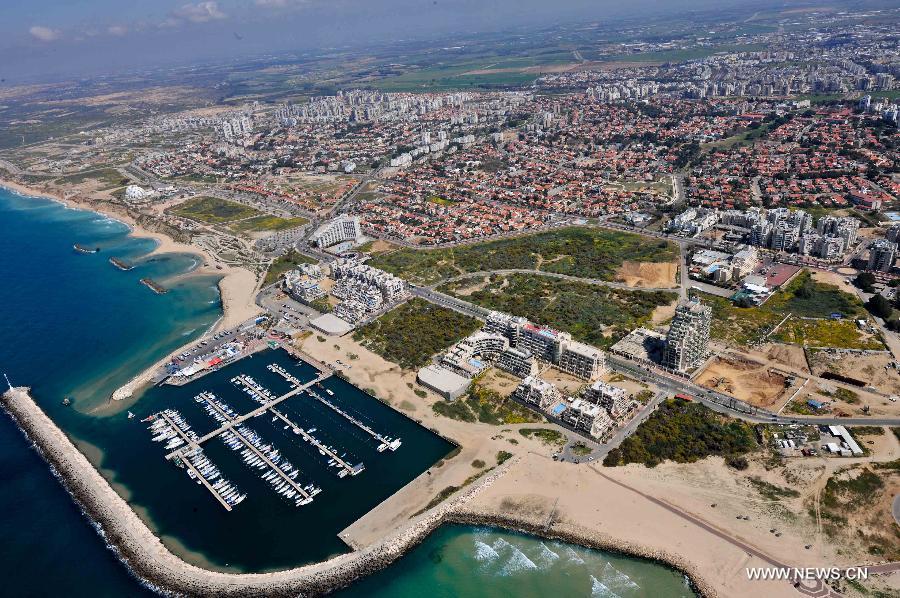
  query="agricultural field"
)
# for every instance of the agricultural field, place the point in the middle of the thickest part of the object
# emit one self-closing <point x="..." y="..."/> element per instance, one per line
<point x="409" y="335"/>
<point x="595" y="314"/>
<point x="803" y="297"/>
<point x="575" y="251"/>
<point x="212" y="210"/>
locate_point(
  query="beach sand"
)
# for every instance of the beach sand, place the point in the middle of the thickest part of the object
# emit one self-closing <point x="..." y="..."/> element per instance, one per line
<point x="237" y="286"/>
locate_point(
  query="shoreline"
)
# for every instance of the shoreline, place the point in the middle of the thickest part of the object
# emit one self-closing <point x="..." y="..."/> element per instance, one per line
<point x="237" y="286"/>
<point x="151" y="562"/>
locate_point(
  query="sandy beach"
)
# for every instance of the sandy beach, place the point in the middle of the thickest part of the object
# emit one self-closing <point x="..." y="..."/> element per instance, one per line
<point x="237" y="286"/>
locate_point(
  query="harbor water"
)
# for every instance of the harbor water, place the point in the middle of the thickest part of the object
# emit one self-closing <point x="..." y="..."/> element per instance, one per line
<point x="76" y="326"/>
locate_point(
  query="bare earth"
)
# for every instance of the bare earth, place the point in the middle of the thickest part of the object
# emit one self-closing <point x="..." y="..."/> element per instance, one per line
<point x="648" y="274"/>
<point x="747" y="381"/>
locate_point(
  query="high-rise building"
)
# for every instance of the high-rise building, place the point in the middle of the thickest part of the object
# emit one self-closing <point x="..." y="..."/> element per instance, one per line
<point x="882" y="255"/>
<point x="687" y="343"/>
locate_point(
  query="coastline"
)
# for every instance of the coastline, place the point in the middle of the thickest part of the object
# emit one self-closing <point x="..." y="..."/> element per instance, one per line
<point x="237" y="286"/>
<point x="149" y="560"/>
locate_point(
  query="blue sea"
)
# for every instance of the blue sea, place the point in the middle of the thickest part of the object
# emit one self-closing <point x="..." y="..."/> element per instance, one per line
<point x="75" y="326"/>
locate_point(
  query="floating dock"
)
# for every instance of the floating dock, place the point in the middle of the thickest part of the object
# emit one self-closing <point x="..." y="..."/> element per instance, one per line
<point x="233" y="422"/>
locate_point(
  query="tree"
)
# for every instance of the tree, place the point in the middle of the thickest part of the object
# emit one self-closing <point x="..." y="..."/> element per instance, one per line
<point x="879" y="306"/>
<point x="865" y="281"/>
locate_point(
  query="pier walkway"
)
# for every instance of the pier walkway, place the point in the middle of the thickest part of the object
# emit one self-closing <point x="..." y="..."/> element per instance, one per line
<point x="209" y="487"/>
<point x="232" y="423"/>
<point x="386" y="442"/>
<point x="350" y="469"/>
<point x="240" y="436"/>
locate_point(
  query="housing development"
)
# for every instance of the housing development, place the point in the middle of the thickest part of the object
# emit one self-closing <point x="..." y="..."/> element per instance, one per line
<point x="628" y="285"/>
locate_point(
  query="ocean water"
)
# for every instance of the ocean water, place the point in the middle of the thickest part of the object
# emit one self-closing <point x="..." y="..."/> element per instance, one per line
<point x="74" y="326"/>
<point x="461" y="560"/>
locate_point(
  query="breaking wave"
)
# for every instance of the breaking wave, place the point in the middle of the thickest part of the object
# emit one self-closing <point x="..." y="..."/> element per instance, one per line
<point x="598" y="590"/>
<point x="484" y="553"/>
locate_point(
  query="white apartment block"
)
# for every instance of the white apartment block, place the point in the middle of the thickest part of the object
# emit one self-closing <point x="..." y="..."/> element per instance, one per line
<point x="339" y="230"/>
<point x="537" y="392"/>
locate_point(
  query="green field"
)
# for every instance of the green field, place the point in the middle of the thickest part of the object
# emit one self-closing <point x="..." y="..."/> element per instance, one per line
<point x="486" y="406"/>
<point x="266" y="223"/>
<point x="843" y="334"/>
<point x="802" y="297"/>
<point x="108" y="178"/>
<point x="576" y="251"/>
<point x="595" y="314"/>
<point x="213" y="210"/>
<point x="683" y="432"/>
<point x="282" y="264"/>
<point x="412" y="333"/>
<point x="504" y="72"/>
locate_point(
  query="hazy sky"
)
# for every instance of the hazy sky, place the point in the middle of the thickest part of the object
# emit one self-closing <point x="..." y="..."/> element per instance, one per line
<point x="59" y="38"/>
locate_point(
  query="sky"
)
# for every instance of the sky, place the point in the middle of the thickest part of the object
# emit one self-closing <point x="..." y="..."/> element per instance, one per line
<point x="58" y="39"/>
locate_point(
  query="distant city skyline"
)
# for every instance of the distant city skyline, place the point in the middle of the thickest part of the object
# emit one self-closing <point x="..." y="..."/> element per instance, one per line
<point x="56" y="39"/>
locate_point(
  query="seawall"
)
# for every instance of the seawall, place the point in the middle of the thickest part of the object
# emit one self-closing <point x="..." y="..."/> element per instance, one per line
<point x="149" y="559"/>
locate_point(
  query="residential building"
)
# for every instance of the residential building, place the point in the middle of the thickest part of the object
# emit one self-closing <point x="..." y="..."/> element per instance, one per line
<point x="537" y="392"/>
<point x="882" y="255"/>
<point x="340" y="230"/>
<point x="687" y="343"/>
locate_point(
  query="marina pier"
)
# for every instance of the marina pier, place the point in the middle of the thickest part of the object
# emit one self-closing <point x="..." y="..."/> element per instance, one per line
<point x="206" y="483"/>
<point x="233" y="422"/>
<point x="345" y="467"/>
<point x="385" y="442"/>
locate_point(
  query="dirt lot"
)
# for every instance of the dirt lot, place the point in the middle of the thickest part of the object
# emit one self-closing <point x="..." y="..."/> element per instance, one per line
<point x="745" y="380"/>
<point x="872" y="368"/>
<point x="500" y="381"/>
<point x="789" y="355"/>
<point x="648" y="274"/>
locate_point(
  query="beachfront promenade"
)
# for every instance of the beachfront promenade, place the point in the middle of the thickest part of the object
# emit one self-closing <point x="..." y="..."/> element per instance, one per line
<point x="151" y="560"/>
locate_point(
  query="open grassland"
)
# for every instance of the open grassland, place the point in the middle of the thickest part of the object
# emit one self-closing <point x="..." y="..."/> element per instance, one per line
<point x="286" y="262"/>
<point x="802" y="298"/>
<point x="103" y="178"/>
<point x="486" y="406"/>
<point x="266" y="223"/>
<point x="843" y="334"/>
<point x="594" y="314"/>
<point x="412" y="333"/>
<point x="212" y="210"/>
<point x="683" y="432"/>
<point x="575" y="251"/>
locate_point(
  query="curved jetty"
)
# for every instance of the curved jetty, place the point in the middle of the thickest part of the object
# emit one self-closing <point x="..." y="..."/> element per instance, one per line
<point x="149" y="559"/>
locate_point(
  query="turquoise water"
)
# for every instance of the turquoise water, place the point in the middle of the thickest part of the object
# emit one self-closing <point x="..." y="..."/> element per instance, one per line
<point x="75" y="326"/>
<point x="473" y="561"/>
